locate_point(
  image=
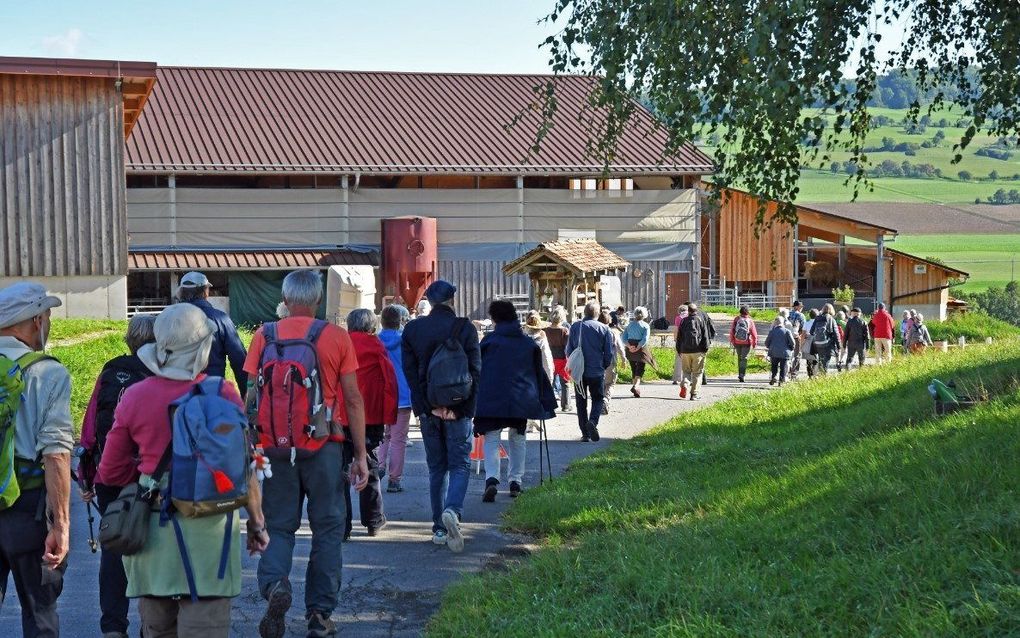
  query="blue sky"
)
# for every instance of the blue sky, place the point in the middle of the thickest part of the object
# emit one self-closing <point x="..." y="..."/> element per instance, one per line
<point x="447" y="35"/>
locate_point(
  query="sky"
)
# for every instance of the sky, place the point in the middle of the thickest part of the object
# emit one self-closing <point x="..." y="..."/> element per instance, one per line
<point x="385" y="35"/>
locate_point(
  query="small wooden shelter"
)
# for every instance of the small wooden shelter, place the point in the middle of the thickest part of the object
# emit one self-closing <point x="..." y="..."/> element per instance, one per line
<point x="566" y="272"/>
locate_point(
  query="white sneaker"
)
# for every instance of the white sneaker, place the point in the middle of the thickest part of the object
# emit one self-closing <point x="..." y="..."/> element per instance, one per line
<point x="454" y="539"/>
<point x="439" y="538"/>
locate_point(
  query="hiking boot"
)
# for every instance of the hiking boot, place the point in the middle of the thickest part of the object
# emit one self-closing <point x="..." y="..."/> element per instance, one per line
<point x="454" y="539"/>
<point x="274" y="622"/>
<point x="593" y="433"/>
<point x="683" y="392"/>
<point x="439" y="538"/>
<point x="394" y="486"/>
<point x="320" y="625"/>
<point x="515" y="489"/>
<point x="740" y="379"/>
<point x="373" y="530"/>
<point x="585" y="438"/>
<point x="772" y="381"/>
<point x="490" y="490"/>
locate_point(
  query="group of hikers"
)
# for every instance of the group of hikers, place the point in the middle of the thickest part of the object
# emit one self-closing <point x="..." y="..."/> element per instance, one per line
<point x="170" y="451"/>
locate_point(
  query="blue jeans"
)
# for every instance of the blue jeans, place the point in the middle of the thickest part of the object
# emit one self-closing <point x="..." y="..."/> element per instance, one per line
<point x="319" y="479"/>
<point x="447" y="453"/>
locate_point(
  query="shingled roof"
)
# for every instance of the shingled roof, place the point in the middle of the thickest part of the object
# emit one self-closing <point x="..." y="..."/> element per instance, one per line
<point x="203" y="120"/>
<point x="582" y="256"/>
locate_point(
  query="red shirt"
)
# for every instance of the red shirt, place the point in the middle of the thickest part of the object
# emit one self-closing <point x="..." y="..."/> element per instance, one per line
<point x="881" y="325"/>
<point x="142" y="422"/>
<point x="377" y="379"/>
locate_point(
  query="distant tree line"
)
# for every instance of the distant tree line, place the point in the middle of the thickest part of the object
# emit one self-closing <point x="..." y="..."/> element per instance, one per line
<point x="1001" y="303"/>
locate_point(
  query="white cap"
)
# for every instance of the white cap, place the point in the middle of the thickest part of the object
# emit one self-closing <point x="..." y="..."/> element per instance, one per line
<point x="194" y="279"/>
<point x="22" y="301"/>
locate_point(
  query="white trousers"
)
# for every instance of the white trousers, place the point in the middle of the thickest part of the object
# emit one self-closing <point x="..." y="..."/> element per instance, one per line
<point x="518" y="451"/>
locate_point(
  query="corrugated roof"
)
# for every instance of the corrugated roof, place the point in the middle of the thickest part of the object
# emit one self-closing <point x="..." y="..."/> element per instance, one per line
<point x="248" y="259"/>
<point x="582" y="255"/>
<point x="278" y="121"/>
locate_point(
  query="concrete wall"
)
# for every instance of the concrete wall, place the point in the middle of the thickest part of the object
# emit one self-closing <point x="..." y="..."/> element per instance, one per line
<point x="95" y="297"/>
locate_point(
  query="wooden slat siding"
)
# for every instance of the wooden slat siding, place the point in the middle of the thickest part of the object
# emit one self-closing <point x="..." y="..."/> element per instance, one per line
<point x="478" y="283"/>
<point x="62" y="191"/>
<point x="905" y="281"/>
<point x="744" y="257"/>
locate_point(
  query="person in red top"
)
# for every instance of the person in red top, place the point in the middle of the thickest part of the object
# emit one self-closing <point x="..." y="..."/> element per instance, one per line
<point x="744" y="338"/>
<point x="318" y="477"/>
<point x="882" y="327"/>
<point x="377" y="381"/>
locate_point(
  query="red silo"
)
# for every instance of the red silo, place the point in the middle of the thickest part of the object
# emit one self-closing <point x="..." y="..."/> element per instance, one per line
<point x="409" y="257"/>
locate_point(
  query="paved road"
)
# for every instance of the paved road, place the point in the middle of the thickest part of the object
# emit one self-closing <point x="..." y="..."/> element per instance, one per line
<point x="393" y="583"/>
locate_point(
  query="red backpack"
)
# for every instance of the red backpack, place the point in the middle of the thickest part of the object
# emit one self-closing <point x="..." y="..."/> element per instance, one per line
<point x="292" y="417"/>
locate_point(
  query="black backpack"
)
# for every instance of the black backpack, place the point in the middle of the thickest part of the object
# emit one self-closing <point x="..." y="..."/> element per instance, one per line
<point x="119" y="375"/>
<point x="692" y="334"/>
<point x="448" y="378"/>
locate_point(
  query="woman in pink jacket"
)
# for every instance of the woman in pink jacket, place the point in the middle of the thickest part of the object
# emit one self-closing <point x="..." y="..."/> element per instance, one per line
<point x="744" y="338"/>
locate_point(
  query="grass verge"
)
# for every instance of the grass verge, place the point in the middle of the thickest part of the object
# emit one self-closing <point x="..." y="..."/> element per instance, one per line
<point x="975" y="326"/>
<point x="721" y="362"/>
<point x="761" y="314"/>
<point x="824" y="508"/>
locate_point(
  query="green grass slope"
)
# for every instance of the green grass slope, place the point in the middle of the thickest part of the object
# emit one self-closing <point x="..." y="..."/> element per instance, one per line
<point x="834" y="507"/>
<point x="988" y="258"/>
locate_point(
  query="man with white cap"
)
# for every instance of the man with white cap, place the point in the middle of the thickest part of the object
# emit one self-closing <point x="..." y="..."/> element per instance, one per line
<point x="34" y="528"/>
<point x="226" y="344"/>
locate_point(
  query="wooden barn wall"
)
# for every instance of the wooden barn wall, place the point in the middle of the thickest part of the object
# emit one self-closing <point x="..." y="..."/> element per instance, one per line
<point x="744" y="257"/>
<point x="904" y="281"/>
<point x="62" y="190"/>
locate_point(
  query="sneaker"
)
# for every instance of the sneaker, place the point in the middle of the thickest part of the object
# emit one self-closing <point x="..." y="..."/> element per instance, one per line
<point x="454" y="539"/>
<point x="439" y="538"/>
<point x="373" y="530"/>
<point x="695" y="397"/>
<point x="320" y="625"/>
<point x="683" y="392"/>
<point x="515" y="489"/>
<point x="593" y="433"/>
<point x="394" y="486"/>
<point x="490" y="490"/>
<point x="274" y="622"/>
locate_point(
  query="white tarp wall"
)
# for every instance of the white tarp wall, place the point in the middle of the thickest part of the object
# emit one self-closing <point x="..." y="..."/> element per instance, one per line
<point x="349" y="288"/>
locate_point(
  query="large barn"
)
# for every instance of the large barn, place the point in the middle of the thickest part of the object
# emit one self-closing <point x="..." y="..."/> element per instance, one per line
<point x="250" y="172"/>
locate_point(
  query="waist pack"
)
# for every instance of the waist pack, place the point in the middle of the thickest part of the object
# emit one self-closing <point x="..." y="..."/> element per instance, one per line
<point x="16" y="474"/>
<point x="448" y="378"/>
<point x="292" y="418"/>
<point x="124" y="528"/>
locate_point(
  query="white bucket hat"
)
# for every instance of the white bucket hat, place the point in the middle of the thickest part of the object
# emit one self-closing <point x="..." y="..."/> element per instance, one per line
<point x="22" y="301"/>
<point x="183" y="339"/>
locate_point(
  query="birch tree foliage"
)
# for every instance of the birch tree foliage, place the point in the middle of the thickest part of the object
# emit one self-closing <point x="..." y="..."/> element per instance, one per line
<point x="749" y="73"/>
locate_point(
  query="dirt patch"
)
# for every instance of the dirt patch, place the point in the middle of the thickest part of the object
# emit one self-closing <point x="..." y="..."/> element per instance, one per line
<point x="921" y="219"/>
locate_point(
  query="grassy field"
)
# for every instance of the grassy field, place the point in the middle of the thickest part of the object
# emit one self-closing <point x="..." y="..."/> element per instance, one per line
<point x="756" y="313"/>
<point x="988" y="258"/>
<point x="975" y="326"/>
<point x="84" y="361"/>
<point x="823" y="509"/>
<point x="61" y="329"/>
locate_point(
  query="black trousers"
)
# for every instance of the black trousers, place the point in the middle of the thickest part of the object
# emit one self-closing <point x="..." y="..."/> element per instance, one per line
<point x="855" y="351"/>
<point x="113" y="601"/>
<point x="596" y="391"/>
<point x="22" y="543"/>
<point x="369" y="499"/>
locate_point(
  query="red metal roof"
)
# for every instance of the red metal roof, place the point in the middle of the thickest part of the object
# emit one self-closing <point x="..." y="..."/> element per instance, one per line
<point x="285" y="121"/>
<point x="248" y="259"/>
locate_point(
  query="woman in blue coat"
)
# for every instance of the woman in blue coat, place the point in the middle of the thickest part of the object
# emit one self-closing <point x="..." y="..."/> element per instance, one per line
<point x="514" y="387"/>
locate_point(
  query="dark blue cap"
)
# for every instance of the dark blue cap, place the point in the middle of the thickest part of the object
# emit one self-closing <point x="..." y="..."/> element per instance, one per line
<point x="440" y="291"/>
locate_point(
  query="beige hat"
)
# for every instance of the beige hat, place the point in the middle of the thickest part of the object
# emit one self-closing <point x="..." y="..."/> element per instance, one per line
<point x="22" y="301"/>
<point x="183" y="339"/>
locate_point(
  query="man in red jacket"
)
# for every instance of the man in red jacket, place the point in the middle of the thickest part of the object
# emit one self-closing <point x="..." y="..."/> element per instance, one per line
<point x="881" y="326"/>
<point x="744" y="339"/>
<point x="377" y="381"/>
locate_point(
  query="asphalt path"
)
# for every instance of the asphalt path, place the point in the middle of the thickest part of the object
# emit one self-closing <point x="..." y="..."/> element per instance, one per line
<point x="393" y="583"/>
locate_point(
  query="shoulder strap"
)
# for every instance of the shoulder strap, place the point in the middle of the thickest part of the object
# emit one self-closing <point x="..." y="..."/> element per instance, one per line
<point x="29" y="359"/>
<point x="315" y="330"/>
<point x="164" y="461"/>
<point x="458" y="327"/>
<point x="269" y="331"/>
<point x="211" y="386"/>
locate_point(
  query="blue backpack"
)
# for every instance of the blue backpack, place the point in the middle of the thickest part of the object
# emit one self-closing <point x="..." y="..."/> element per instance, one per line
<point x="209" y="463"/>
<point x="448" y="378"/>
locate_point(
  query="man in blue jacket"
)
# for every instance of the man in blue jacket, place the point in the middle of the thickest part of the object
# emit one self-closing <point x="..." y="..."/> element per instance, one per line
<point x="596" y="343"/>
<point x="226" y="344"/>
<point x="445" y="430"/>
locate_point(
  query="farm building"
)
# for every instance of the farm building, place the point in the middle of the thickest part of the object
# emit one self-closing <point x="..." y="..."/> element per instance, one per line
<point x="62" y="190"/>
<point x="822" y="251"/>
<point x="251" y="172"/>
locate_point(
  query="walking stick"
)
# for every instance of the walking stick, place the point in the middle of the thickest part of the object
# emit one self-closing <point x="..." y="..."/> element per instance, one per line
<point x="541" y="468"/>
<point x="93" y="545"/>
<point x="548" y="457"/>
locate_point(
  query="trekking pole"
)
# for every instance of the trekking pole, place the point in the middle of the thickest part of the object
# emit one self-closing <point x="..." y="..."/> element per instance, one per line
<point x="93" y="545"/>
<point x="548" y="457"/>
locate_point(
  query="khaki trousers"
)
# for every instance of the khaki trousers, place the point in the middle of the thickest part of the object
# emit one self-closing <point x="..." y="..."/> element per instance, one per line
<point x="883" y="350"/>
<point x="170" y="618"/>
<point x="694" y="366"/>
